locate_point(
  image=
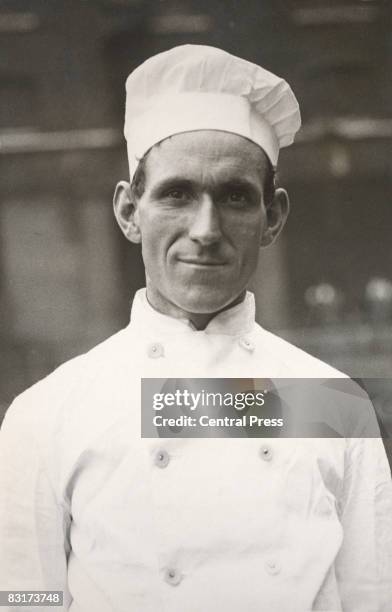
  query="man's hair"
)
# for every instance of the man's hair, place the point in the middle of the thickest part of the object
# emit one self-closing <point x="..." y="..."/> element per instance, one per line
<point x="138" y="184"/>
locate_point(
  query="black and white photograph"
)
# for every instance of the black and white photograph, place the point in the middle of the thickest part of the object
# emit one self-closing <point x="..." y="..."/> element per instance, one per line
<point x="196" y="298"/>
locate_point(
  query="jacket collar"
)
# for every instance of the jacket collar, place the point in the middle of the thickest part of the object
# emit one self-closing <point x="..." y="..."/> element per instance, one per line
<point x="236" y="320"/>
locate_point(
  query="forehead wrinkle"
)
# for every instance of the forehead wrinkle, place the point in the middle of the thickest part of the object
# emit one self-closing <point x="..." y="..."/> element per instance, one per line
<point x="205" y="168"/>
<point x="215" y="148"/>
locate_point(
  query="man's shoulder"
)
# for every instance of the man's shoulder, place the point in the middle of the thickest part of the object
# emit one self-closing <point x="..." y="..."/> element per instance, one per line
<point x="73" y="378"/>
<point x="294" y="360"/>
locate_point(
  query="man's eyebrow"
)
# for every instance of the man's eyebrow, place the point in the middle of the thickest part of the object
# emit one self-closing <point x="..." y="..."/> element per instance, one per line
<point x="172" y="182"/>
<point x="180" y="182"/>
<point x="251" y="188"/>
<point x="239" y="183"/>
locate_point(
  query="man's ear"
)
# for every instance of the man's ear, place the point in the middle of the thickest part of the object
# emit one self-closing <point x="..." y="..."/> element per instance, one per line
<point x="277" y="212"/>
<point x="126" y="212"/>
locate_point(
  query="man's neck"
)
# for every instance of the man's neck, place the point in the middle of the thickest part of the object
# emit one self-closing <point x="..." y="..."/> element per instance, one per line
<point x="198" y="320"/>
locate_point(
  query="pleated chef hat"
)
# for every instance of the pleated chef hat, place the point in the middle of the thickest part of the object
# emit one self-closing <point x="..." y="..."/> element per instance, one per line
<point x="196" y="87"/>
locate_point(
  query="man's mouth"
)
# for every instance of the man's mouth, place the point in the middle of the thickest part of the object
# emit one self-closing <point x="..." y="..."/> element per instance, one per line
<point x="202" y="262"/>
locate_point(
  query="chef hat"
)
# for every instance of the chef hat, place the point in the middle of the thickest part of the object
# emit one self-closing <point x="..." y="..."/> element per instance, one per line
<point x="196" y="87"/>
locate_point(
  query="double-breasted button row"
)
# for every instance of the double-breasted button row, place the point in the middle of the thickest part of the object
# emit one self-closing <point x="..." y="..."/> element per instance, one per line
<point x="173" y="577"/>
<point x="162" y="457"/>
<point x="156" y="349"/>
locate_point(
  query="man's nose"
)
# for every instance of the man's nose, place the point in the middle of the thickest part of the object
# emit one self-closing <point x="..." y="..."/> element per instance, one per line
<point x="205" y="227"/>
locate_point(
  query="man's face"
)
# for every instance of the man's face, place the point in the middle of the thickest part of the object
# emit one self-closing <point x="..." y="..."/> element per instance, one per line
<point x="201" y="219"/>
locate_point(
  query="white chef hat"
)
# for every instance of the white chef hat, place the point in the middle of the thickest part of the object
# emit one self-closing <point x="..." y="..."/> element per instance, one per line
<point x="196" y="87"/>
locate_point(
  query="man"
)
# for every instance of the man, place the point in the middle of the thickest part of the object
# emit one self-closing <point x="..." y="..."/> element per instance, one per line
<point x="119" y="522"/>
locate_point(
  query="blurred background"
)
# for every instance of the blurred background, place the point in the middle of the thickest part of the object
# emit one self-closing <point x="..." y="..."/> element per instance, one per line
<point x="68" y="275"/>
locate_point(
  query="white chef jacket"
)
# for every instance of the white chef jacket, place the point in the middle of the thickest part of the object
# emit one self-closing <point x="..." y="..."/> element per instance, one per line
<point x="123" y="524"/>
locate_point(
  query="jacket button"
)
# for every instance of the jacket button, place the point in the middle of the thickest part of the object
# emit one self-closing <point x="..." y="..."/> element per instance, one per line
<point x="246" y="344"/>
<point x="272" y="567"/>
<point x="155" y="350"/>
<point x="162" y="458"/>
<point x="172" y="576"/>
<point x="266" y="453"/>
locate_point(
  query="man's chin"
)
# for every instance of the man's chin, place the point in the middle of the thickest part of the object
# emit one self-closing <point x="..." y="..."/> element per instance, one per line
<point x="201" y="303"/>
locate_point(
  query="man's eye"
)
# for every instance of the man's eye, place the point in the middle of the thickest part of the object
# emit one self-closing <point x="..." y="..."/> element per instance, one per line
<point x="237" y="197"/>
<point x="176" y="194"/>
